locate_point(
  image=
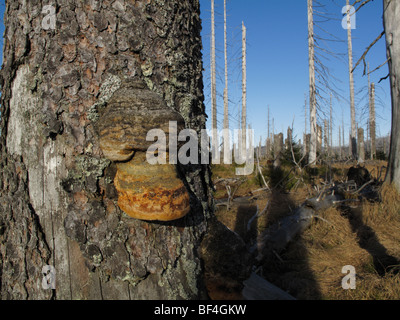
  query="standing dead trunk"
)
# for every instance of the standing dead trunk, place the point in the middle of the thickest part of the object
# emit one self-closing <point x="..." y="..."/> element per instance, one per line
<point x="392" y="29"/>
<point x="340" y="143"/>
<point x="326" y="138"/>
<point x="353" y="140"/>
<point x="215" y="142"/>
<point x="361" y="146"/>
<point x="319" y="139"/>
<point x="227" y="147"/>
<point x="60" y="203"/>
<point x="330" y="126"/>
<point x="244" y="87"/>
<point x="372" y="123"/>
<point x="313" y="102"/>
<point x="278" y="149"/>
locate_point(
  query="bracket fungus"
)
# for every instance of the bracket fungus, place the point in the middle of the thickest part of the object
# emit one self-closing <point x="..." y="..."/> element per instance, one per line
<point x="145" y="191"/>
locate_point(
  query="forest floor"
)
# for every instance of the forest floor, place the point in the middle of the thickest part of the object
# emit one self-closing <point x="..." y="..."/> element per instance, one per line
<point x="366" y="235"/>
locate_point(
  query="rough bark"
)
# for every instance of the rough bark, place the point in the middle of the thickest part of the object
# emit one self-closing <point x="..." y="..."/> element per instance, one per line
<point x="58" y="203"/>
<point x="392" y="30"/>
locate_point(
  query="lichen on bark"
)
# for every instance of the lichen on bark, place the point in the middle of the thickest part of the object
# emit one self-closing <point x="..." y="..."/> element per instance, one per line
<point x="57" y="200"/>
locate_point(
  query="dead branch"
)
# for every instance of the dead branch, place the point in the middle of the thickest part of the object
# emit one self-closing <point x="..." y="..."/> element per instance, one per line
<point x="384" y="78"/>
<point x="367" y="50"/>
<point x="363" y="186"/>
<point x="387" y="60"/>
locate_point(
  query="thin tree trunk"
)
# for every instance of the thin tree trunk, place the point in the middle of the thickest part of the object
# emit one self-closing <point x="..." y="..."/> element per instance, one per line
<point x="330" y="126"/>
<point x="226" y="103"/>
<point x="59" y="206"/>
<point x="313" y="103"/>
<point x="227" y="150"/>
<point x="213" y="73"/>
<point x="353" y="142"/>
<point x="343" y="133"/>
<point x="392" y="30"/>
<point x="361" y="146"/>
<point x="305" y="114"/>
<point x="268" y="125"/>
<point x="278" y="149"/>
<point x="340" y="143"/>
<point x="326" y="138"/>
<point x="372" y="123"/>
<point x="244" y="86"/>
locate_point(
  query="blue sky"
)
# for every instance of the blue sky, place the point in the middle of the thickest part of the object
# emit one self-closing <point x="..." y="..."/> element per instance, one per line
<point x="277" y="62"/>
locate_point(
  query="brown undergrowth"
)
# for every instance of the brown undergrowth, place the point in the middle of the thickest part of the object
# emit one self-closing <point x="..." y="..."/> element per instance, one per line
<point x="364" y="234"/>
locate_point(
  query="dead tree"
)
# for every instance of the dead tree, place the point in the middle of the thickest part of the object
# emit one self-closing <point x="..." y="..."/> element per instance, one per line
<point x="244" y="87"/>
<point x="278" y="149"/>
<point x="213" y="79"/>
<point x="312" y="90"/>
<point x="392" y="29"/>
<point x="353" y="134"/>
<point x="80" y="85"/>
<point x="227" y="148"/>
<point x="372" y="122"/>
<point x="361" y="146"/>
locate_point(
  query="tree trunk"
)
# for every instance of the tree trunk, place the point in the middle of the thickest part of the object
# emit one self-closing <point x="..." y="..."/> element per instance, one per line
<point x="353" y="141"/>
<point x="313" y="103"/>
<point x="361" y="145"/>
<point x="326" y="138"/>
<point x="340" y="143"/>
<point x="278" y="149"/>
<point x="58" y="203"/>
<point x="330" y="126"/>
<point x="392" y="30"/>
<point x="227" y="146"/>
<point x="372" y="122"/>
<point x="244" y="88"/>
<point x="215" y="142"/>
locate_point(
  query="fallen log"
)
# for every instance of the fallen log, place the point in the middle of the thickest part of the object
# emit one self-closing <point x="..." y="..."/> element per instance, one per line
<point x="278" y="236"/>
<point x="257" y="288"/>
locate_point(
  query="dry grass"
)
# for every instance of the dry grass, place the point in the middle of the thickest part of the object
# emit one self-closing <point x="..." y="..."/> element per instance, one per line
<point x="367" y="237"/>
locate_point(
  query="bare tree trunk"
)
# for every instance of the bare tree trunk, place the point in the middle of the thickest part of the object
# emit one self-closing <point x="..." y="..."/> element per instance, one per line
<point x="330" y="126"/>
<point x="59" y="206"/>
<point x="278" y="149"/>
<point x="213" y="74"/>
<point x="353" y="141"/>
<point x="326" y="138"/>
<point x="361" y="146"/>
<point x="227" y="149"/>
<point x="319" y="139"/>
<point x="392" y="29"/>
<point x="305" y="114"/>
<point x="244" y="86"/>
<point x="343" y="138"/>
<point x="313" y="103"/>
<point x="268" y="125"/>
<point x="340" y="143"/>
<point x="372" y="123"/>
